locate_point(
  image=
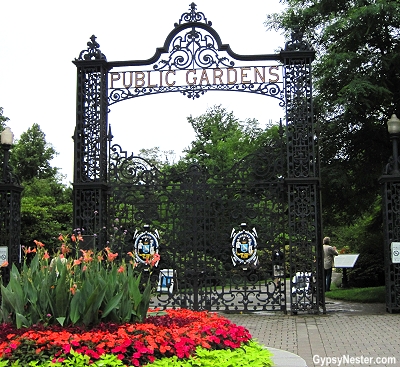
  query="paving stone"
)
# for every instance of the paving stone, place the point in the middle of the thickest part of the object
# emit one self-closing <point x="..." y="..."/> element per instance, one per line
<point x="347" y="329"/>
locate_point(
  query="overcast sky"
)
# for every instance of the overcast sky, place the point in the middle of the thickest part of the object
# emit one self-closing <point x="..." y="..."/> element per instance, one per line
<point x="39" y="39"/>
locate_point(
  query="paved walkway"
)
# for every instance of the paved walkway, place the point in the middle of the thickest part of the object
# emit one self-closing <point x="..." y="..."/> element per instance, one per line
<point x="354" y="334"/>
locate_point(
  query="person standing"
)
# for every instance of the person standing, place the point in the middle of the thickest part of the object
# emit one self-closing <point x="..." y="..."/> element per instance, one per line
<point x="329" y="257"/>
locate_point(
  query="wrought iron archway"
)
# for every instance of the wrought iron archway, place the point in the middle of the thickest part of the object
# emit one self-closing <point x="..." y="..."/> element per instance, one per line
<point x="277" y="190"/>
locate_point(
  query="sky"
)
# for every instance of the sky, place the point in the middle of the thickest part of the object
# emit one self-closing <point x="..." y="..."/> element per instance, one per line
<point x="40" y="39"/>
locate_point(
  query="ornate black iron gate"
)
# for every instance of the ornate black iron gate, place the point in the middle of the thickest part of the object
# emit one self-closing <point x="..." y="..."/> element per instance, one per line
<point x="194" y="211"/>
<point x="276" y="191"/>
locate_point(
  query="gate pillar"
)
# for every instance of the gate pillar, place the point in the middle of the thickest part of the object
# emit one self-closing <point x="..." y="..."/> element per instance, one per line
<point x="90" y="145"/>
<point x="303" y="181"/>
<point x="390" y="181"/>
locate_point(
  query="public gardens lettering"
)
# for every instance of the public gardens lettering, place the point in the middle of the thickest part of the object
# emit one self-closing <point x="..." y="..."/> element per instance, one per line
<point x="193" y="77"/>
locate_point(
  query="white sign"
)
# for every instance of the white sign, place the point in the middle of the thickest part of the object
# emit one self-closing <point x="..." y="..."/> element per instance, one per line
<point x="346" y="260"/>
<point x="3" y="255"/>
<point x="166" y="281"/>
<point x="395" y="250"/>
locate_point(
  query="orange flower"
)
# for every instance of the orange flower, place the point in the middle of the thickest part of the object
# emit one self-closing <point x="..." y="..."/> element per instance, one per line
<point x="87" y="255"/>
<point x="38" y="244"/>
<point x="152" y="260"/>
<point x="77" y="262"/>
<point x="121" y="269"/>
<point x="111" y="257"/>
<point x="46" y="255"/>
<point x="73" y="289"/>
<point x="155" y="259"/>
<point x="4" y="264"/>
<point x="29" y="250"/>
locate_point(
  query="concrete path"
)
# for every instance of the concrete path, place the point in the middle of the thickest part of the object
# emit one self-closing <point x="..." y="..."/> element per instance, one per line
<point x="349" y="334"/>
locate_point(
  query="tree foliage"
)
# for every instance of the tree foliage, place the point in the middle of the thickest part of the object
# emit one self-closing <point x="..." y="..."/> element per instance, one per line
<point x="222" y="139"/>
<point x="357" y="88"/>
<point x="46" y="203"/>
<point x="46" y="210"/>
<point x="3" y="119"/>
<point x="31" y="156"/>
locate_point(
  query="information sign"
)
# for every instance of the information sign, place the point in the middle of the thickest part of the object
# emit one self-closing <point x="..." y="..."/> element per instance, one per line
<point x="395" y="250"/>
<point x="346" y="260"/>
<point x="3" y="254"/>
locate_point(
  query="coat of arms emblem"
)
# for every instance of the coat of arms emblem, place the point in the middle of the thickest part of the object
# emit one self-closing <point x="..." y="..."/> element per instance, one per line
<point x="244" y="247"/>
<point x="146" y="245"/>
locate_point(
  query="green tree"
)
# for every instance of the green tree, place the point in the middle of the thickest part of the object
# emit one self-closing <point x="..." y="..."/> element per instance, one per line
<point x="46" y="204"/>
<point x="357" y="88"/>
<point x="222" y="139"/>
<point x="3" y="120"/>
<point x="31" y="156"/>
<point x="46" y="211"/>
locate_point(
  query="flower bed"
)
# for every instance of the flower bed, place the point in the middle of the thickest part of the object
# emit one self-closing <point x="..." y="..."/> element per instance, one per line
<point x="177" y="334"/>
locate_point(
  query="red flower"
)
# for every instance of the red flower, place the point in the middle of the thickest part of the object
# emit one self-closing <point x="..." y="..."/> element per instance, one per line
<point x="178" y="333"/>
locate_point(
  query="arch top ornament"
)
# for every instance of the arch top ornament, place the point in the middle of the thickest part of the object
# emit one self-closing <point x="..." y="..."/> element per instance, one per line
<point x="193" y="16"/>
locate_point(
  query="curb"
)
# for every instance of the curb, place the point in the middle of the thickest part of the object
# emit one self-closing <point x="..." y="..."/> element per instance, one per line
<point x="281" y="358"/>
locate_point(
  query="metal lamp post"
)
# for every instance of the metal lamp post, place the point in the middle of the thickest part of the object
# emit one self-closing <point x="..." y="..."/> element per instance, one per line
<point x="10" y="210"/>
<point x="7" y="139"/>
<point x="391" y="217"/>
<point x="394" y="131"/>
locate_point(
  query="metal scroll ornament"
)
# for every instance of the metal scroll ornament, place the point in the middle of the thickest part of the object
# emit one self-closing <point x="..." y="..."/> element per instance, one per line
<point x="146" y="245"/>
<point x="244" y="247"/>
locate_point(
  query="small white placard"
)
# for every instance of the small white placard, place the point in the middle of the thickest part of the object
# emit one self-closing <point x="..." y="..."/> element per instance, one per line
<point x="395" y="250"/>
<point x="346" y="260"/>
<point x="3" y="254"/>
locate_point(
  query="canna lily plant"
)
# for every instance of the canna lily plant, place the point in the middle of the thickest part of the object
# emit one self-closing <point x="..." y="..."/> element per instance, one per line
<point x="86" y="288"/>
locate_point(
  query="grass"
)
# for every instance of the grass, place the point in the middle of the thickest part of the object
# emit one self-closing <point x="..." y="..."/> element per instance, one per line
<point x="362" y="295"/>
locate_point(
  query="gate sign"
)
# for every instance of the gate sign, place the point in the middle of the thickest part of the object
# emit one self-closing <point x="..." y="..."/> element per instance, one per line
<point x="244" y="247"/>
<point x="395" y="250"/>
<point x="3" y="255"/>
<point x="146" y="245"/>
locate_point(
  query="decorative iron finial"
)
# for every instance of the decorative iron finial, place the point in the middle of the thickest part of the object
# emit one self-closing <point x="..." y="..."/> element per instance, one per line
<point x="193" y="16"/>
<point x="92" y="52"/>
<point x="297" y="43"/>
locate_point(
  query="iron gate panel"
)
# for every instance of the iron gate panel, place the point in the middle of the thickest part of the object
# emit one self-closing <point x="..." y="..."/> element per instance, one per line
<point x="194" y="211"/>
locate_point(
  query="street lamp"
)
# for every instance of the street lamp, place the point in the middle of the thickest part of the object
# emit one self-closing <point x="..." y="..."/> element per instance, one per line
<point x="6" y="139"/>
<point x="10" y="210"/>
<point x="394" y="131"/>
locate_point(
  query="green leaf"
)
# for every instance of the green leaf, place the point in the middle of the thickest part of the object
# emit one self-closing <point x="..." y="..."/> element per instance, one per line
<point x="112" y="304"/>
<point x="21" y="321"/>
<point x="77" y="305"/>
<point x="61" y="320"/>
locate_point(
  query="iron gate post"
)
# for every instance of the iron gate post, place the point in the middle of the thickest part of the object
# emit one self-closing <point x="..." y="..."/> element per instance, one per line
<point x="10" y="214"/>
<point x="303" y="181"/>
<point x="390" y="181"/>
<point x="91" y="145"/>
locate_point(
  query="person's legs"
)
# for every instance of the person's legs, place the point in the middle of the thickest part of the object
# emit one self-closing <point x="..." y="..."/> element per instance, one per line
<point x="328" y="279"/>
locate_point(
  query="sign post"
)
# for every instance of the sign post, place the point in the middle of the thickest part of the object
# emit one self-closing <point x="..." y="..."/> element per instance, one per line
<point x="345" y="261"/>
